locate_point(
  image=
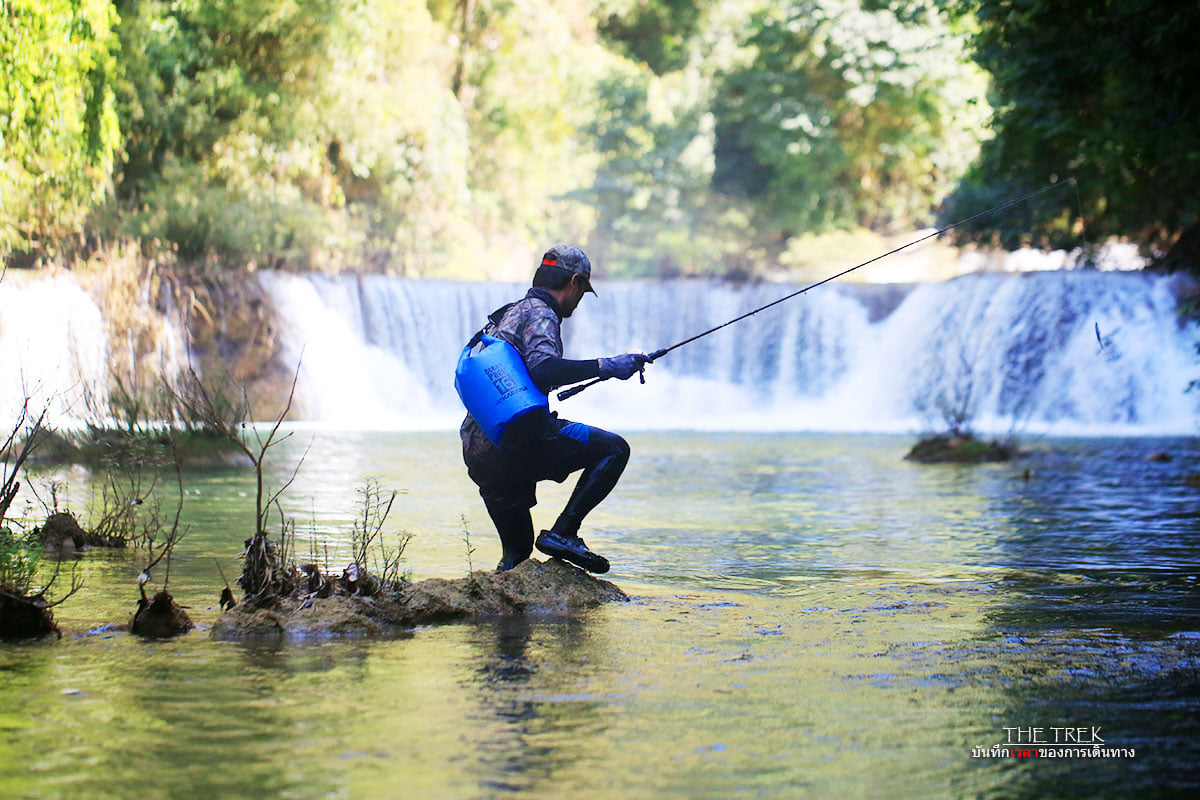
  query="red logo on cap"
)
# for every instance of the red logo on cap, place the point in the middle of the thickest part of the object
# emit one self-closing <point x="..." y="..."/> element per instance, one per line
<point x="549" y="262"/>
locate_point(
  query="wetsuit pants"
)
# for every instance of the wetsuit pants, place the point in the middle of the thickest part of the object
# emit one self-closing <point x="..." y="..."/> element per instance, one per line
<point x="507" y="479"/>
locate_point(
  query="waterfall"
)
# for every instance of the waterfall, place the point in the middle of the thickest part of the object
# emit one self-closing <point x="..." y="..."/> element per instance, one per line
<point x="60" y="347"/>
<point x="53" y="349"/>
<point x="1016" y="351"/>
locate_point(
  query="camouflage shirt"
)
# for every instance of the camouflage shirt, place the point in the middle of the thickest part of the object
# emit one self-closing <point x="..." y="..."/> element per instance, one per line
<point x="534" y="327"/>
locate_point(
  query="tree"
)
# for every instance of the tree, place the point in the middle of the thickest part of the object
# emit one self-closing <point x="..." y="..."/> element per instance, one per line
<point x="1104" y="92"/>
<point x="650" y="191"/>
<point x="654" y="32"/>
<point x="220" y="161"/>
<point x="524" y="80"/>
<point x="850" y="112"/>
<point x="59" y="132"/>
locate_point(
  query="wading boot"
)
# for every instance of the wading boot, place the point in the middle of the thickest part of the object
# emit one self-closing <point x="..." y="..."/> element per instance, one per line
<point x="508" y="562"/>
<point x="571" y="549"/>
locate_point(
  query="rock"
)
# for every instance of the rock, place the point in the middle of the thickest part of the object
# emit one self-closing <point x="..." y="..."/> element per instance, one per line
<point x="160" y="618"/>
<point x="25" y="617"/>
<point x="62" y="532"/>
<point x="534" y="587"/>
<point x="959" y="450"/>
<point x="1193" y="480"/>
<point x="1160" y="458"/>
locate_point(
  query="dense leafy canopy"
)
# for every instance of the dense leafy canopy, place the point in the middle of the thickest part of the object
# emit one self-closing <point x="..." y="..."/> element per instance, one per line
<point x="58" y="123"/>
<point x="1102" y="91"/>
<point x="848" y="114"/>
<point x="654" y="32"/>
<point x="219" y="148"/>
<point x="457" y="137"/>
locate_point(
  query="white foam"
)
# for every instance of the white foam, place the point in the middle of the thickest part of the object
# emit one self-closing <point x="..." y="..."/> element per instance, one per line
<point x="381" y="353"/>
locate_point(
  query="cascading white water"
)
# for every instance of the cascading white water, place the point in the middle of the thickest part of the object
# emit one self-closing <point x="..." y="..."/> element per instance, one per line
<point x="377" y="352"/>
<point x="380" y="352"/>
<point x="59" y="351"/>
<point x="1016" y="351"/>
<point x="53" y="349"/>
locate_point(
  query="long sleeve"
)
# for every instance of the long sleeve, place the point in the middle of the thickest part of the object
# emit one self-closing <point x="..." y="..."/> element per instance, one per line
<point x="550" y="373"/>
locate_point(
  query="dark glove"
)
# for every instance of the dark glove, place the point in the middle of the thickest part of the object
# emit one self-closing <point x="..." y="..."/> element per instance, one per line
<point x="624" y="366"/>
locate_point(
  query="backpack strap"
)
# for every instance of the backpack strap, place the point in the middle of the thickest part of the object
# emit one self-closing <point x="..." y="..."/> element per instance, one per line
<point x="493" y="318"/>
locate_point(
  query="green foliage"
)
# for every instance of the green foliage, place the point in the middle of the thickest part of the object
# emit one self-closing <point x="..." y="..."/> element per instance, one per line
<point x="58" y="124"/>
<point x="217" y="109"/>
<point x="20" y="555"/>
<point x="524" y="78"/>
<point x="1104" y="92"/>
<point x="456" y="138"/>
<point x="328" y="133"/>
<point x="655" y="212"/>
<point x="654" y="32"/>
<point x="650" y="190"/>
<point x="848" y="113"/>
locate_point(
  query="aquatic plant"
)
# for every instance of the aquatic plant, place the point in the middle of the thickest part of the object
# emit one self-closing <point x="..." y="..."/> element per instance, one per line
<point x="226" y="414"/>
<point x="368" y="544"/>
<point x="466" y="537"/>
<point x="224" y="410"/>
<point x="24" y="606"/>
<point x="160" y="616"/>
<point x="960" y="450"/>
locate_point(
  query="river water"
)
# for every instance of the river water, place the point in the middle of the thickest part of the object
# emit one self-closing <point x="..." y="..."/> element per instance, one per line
<point x="812" y="616"/>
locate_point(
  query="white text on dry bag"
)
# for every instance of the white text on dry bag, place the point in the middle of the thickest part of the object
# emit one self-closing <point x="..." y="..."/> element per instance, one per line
<point x="495" y="386"/>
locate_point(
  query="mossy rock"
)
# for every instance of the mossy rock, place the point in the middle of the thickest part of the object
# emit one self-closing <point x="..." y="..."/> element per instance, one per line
<point x="959" y="450"/>
<point x="533" y="587"/>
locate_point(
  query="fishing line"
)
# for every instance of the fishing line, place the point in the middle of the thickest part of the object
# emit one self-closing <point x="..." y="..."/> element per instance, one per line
<point x="657" y="354"/>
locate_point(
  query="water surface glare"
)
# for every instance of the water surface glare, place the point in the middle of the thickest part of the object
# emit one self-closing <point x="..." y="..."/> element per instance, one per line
<point x="812" y="617"/>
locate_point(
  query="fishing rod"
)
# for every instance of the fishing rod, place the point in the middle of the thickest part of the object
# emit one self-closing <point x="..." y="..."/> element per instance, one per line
<point x="657" y="354"/>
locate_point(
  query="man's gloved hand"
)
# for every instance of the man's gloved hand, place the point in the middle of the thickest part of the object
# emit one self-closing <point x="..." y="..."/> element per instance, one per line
<point x="624" y="366"/>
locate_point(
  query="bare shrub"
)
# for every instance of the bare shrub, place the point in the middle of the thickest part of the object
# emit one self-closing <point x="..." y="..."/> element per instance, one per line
<point x="373" y="556"/>
<point x="25" y="602"/>
<point x="224" y="410"/>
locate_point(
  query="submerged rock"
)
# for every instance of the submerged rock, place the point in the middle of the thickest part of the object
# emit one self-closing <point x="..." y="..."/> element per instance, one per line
<point x="533" y="587"/>
<point x="959" y="450"/>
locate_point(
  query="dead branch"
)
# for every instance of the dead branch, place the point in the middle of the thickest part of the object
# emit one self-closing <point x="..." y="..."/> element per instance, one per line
<point x="10" y="485"/>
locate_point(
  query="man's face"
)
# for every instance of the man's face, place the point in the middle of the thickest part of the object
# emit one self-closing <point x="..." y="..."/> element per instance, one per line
<point x="575" y="293"/>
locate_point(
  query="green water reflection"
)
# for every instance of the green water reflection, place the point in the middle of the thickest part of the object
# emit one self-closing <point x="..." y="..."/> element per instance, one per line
<point x="812" y="617"/>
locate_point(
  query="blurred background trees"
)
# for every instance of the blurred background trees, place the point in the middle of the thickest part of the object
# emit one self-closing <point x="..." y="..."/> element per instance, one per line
<point x="1100" y="91"/>
<point x="455" y="138"/>
<point x="59" y="132"/>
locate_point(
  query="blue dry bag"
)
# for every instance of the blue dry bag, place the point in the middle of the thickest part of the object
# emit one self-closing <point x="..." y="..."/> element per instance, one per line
<point x="494" y="384"/>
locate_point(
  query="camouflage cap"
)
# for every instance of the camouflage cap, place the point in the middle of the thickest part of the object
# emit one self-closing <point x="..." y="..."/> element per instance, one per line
<point x="570" y="258"/>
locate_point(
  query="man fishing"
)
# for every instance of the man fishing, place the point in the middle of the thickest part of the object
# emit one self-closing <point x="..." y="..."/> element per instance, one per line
<point x="537" y="445"/>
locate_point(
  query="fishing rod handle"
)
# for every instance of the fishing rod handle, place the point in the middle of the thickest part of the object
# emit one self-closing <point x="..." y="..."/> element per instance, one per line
<point x="567" y="394"/>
